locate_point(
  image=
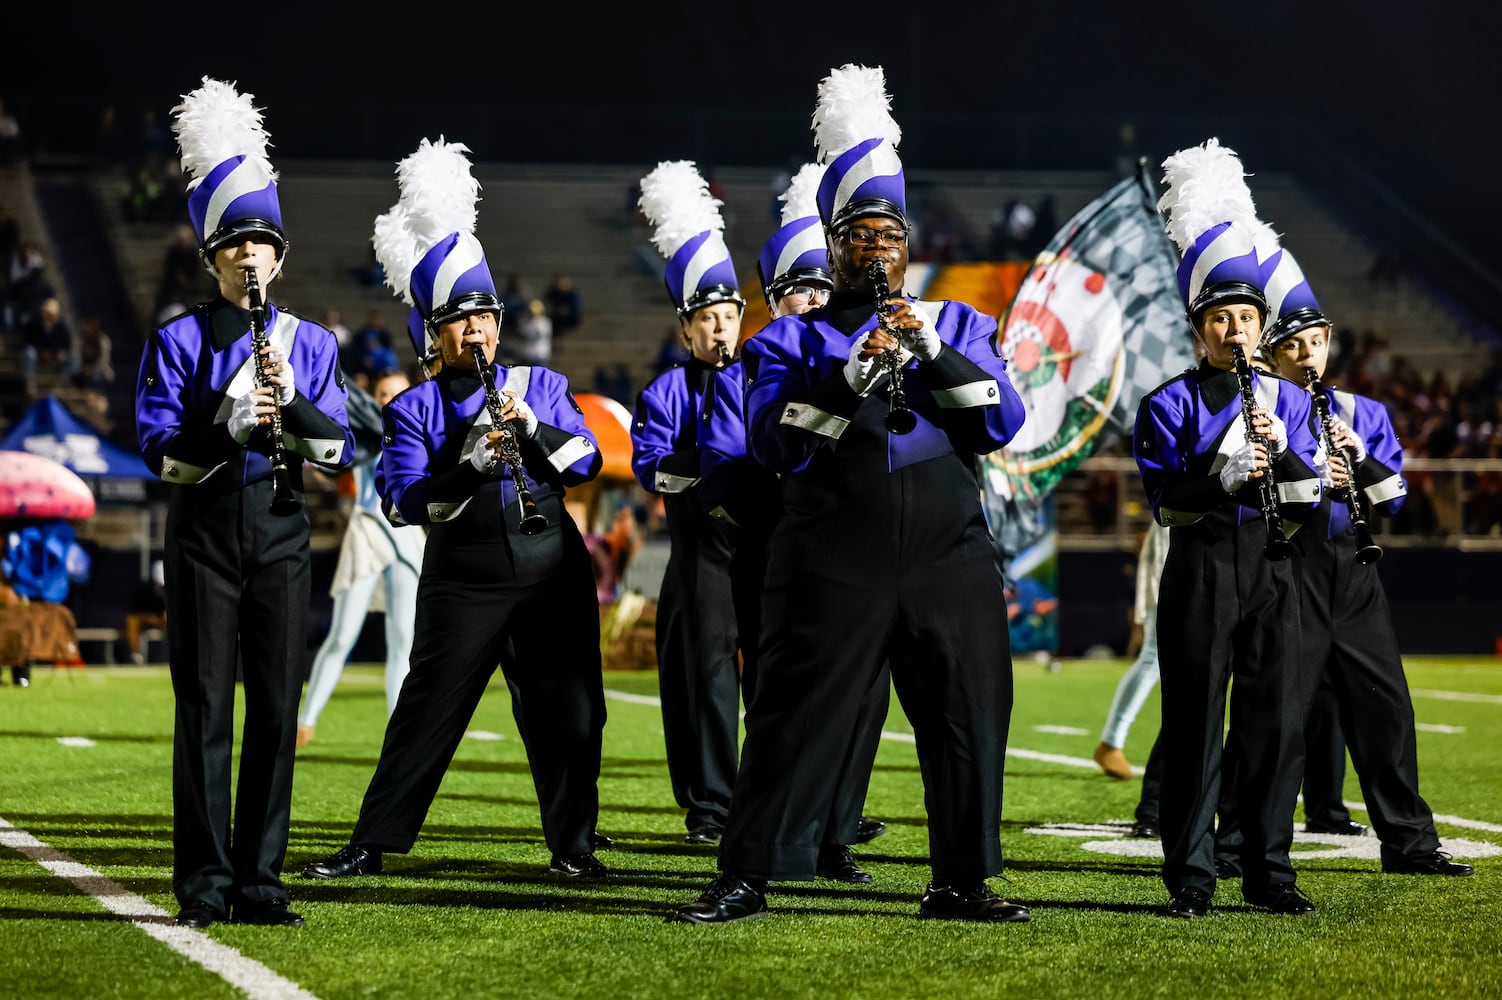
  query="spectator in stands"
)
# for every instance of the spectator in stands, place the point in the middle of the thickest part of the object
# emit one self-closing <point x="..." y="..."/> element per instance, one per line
<point x="370" y="351"/>
<point x="143" y="200"/>
<point x="335" y="323"/>
<point x="514" y="299"/>
<point x="183" y="279"/>
<point x="46" y="345"/>
<point x="11" y="147"/>
<point x="147" y="610"/>
<point x="369" y="274"/>
<point x="29" y="286"/>
<point x="533" y="339"/>
<point x="94" y="369"/>
<point x="670" y="352"/>
<point x="564" y="307"/>
<point x="616" y="383"/>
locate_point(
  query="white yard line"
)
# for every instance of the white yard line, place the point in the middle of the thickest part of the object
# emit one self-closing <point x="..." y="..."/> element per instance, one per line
<point x="255" y="979"/>
<point x="1487" y="699"/>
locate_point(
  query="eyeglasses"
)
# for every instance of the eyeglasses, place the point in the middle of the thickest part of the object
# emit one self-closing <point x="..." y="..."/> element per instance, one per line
<point x="861" y="236"/>
<point x="811" y="294"/>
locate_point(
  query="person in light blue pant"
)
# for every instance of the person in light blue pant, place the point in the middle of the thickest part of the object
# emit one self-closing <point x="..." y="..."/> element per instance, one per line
<point x="1137" y="683"/>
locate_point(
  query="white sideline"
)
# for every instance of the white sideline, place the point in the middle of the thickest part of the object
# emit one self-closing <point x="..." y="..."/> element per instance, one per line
<point x="256" y="980"/>
<point x="1488" y="699"/>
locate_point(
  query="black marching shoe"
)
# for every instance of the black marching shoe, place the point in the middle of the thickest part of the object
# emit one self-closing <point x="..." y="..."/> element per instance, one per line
<point x="1226" y="868"/>
<point x="976" y="902"/>
<point x="269" y="914"/>
<point x="599" y="841"/>
<point x="706" y="834"/>
<point x="1284" y="898"/>
<point x="1189" y="904"/>
<point x="1342" y="828"/>
<point x="1433" y="863"/>
<point x="348" y="860"/>
<point x="868" y="830"/>
<point x="728" y="898"/>
<point x="579" y="867"/>
<point x="1144" y="830"/>
<point x="837" y="863"/>
<point x="198" y="915"/>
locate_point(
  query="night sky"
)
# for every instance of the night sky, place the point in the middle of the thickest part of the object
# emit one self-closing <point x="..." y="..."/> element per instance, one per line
<point x="1405" y="90"/>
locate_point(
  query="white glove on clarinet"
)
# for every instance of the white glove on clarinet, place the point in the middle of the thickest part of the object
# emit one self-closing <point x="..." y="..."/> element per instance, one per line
<point x="923" y="342"/>
<point x="862" y="373"/>
<point x="1277" y="438"/>
<point x="286" y="384"/>
<point x="524" y="414"/>
<point x="1338" y="425"/>
<point x="242" y="418"/>
<point x="1237" y="471"/>
<point x="481" y="456"/>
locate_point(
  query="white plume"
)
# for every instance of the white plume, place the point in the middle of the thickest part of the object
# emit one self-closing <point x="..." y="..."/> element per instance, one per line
<point x="1205" y="188"/>
<point x="853" y="106"/>
<point x="800" y="200"/>
<point x="438" y="197"/>
<point x="214" y="123"/>
<point x="676" y="200"/>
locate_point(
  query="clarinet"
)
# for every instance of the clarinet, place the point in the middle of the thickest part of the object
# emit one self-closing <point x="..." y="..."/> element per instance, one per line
<point x="900" y="419"/>
<point x="724" y="354"/>
<point x="532" y="520"/>
<point x="1367" y="551"/>
<point x="1278" y="546"/>
<point x="284" y="502"/>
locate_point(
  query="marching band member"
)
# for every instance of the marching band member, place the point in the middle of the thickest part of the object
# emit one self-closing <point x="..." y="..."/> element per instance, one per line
<point x="706" y="607"/>
<point x="505" y="571"/>
<point x="227" y="414"/>
<point x="881" y="553"/>
<point x="1223" y="462"/>
<point x="1349" y="646"/>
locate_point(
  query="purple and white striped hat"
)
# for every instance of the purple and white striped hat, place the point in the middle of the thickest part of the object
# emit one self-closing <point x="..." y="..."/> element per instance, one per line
<point x="856" y="139"/>
<point x="232" y="186"/>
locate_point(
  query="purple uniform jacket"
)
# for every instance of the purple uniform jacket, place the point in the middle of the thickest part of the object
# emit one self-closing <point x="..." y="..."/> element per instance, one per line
<point x="195" y="367"/>
<point x="1188" y="428"/>
<point x="430" y="429"/>
<point x="1380" y="474"/>
<point x="798" y="404"/>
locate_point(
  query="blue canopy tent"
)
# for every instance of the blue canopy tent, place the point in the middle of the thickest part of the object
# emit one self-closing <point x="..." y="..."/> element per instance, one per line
<point x="51" y="430"/>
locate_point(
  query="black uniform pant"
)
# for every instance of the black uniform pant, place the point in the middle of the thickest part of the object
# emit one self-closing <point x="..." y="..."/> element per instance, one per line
<point x="479" y="601"/>
<point x="827" y="631"/>
<point x="238" y="587"/>
<point x="1227" y="614"/>
<point x="1352" y="654"/>
<point x="1324" y="756"/>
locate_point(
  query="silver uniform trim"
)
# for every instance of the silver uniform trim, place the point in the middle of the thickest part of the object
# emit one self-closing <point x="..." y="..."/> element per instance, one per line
<point x="446" y="511"/>
<point x="323" y="451"/>
<point x="280" y="337"/>
<point x="1177" y="518"/>
<point x="666" y="482"/>
<point x="1388" y="489"/>
<point x="393" y="515"/>
<point x="724" y="515"/>
<point x="982" y="393"/>
<point x="175" y="470"/>
<point x="571" y="451"/>
<point x="814" y="420"/>
<point x="1299" y="491"/>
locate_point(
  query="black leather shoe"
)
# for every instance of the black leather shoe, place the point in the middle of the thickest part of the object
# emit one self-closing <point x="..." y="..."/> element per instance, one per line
<point x="868" y="829"/>
<point x="1433" y="863"/>
<point x="1145" y="830"/>
<point x="837" y="863"/>
<point x="272" y="914"/>
<point x="1344" y="828"/>
<point x="348" y="860"/>
<point x="1226" y="868"/>
<point x="198" y="915"/>
<point x="976" y="902"/>
<point x="1284" y="898"/>
<point x="579" y="867"/>
<point x="707" y="834"/>
<point x="727" y="899"/>
<point x="1189" y="904"/>
<point x="600" y="841"/>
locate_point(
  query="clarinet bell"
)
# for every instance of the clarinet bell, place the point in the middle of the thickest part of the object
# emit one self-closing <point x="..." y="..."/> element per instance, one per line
<point x="1278" y="549"/>
<point x="1367" y="550"/>
<point x="284" y="502"/>
<point x="901" y="421"/>
<point x="533" y="524"/>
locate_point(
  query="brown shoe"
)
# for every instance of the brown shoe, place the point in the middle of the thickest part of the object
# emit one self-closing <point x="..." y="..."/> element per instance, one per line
<point x="304" y="735"/>
<point x="1113" y="761"/>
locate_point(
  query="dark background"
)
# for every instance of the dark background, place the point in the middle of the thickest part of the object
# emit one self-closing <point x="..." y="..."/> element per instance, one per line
<point x="1404" y="92"/>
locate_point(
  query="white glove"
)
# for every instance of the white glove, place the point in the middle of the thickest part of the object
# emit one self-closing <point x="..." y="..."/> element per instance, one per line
<point x="1238" y="469"/>
<point x="524" y="413"/>
<point x="862" y="373"/>
<point x="1337" y="425"/>
<point x="924" y="341"/>
<point x="1277" y="438"/>
<point x="1322" y="465"/>
<point x="286" y="384"/>
<point x="481" y="456"/>
<point x="242" y="418"/>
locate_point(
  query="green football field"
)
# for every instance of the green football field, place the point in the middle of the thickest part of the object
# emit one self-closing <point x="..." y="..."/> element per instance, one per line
<point x="85" y="870"/>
